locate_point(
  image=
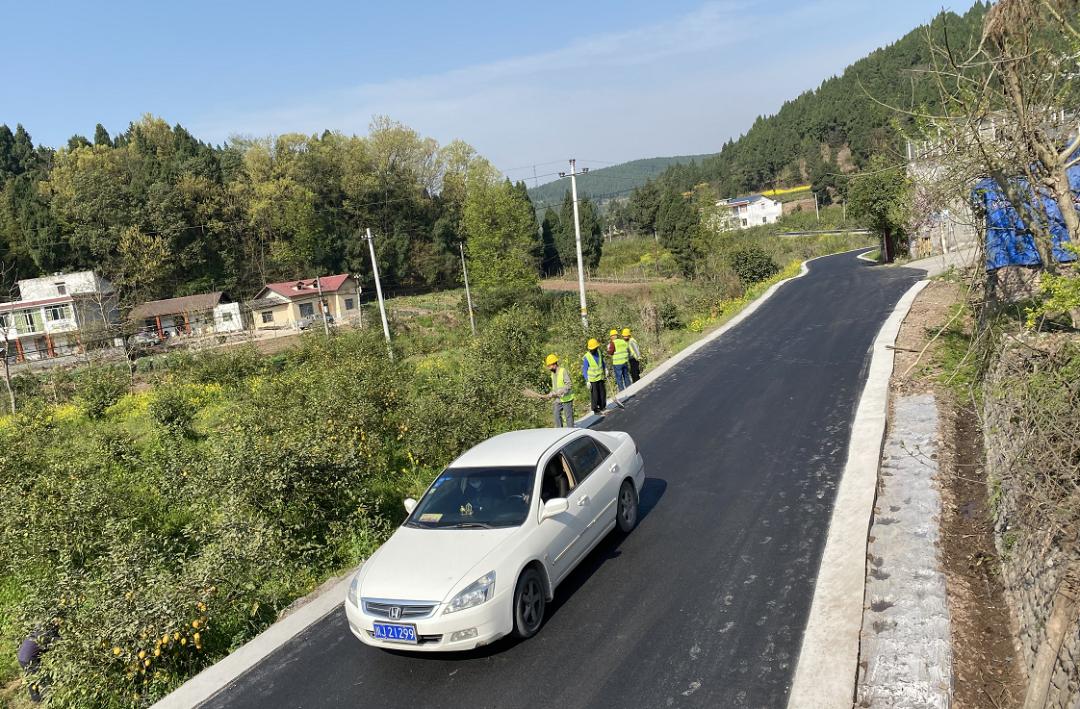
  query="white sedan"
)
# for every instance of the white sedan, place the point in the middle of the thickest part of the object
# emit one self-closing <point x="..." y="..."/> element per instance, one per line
<point x="481" y="553"/>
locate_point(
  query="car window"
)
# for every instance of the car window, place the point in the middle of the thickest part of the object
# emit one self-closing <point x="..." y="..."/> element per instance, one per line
<point x="585" y="455"/>
<point x="475" y="498"/>
<point x="558" y="480"/>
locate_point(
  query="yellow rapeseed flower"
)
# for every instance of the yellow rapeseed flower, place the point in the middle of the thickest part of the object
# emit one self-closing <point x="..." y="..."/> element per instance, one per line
<point x="116" y="651"/>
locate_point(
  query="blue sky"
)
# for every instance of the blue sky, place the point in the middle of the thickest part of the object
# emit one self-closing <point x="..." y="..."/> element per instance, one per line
<point x="602" y="80"/>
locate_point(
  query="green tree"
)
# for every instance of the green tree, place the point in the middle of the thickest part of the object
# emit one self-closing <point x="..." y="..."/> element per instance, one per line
<point x="101" y="136"/>
<point x="679" y="227"/>
<point x="550" y="263"/>
<point x="592" y="235"/>
<point x="879" y="197"/>
<point x="502" y="241"/>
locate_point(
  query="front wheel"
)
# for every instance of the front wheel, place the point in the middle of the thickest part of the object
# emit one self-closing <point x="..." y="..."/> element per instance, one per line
<point x="529" y="603"/>
<point x="626" y="517"/>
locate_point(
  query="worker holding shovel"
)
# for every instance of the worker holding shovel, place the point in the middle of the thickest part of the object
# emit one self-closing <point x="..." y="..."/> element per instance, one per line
<point x="562" y="393"/>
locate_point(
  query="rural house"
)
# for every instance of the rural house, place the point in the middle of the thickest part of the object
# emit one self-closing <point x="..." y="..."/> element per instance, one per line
<point x="57" y="315"/>
<point x="283" y="305"/>
<point x="750" y="211"/>
<point x="200" y="314"/>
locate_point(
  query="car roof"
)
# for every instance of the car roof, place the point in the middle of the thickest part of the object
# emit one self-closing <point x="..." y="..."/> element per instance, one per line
<point x="516" y="448"/>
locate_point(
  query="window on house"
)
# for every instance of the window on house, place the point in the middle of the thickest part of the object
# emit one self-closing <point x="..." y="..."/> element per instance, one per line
<point x="61" y="288"/>
<point x="28" y="320"/>
<point x="349" y="304"/>
<point x="268" y="316"/>
<point x="227" y="317"/>
<point x="5" y="320"/>
<point x="764" y="220"/>
<point x="56" y="312"/>
<point x="745" y="223"/>
<point x="306" y="309"/>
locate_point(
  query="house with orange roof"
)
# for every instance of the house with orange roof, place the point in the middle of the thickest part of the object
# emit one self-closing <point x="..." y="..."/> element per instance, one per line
<point x="283" y="305"/>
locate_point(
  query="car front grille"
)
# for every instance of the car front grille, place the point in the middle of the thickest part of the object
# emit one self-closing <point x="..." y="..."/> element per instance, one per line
<point x="410" y="610"/>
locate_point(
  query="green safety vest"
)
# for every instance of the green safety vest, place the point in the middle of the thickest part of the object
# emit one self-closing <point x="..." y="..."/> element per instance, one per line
<point x="622" y="352"/>
<point x="558" y="381"/>
<point x="596" y="372"/>
<point x="635" y="350"/>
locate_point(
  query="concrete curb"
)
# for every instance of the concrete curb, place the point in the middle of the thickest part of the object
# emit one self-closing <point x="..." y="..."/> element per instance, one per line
<point x="321" y="602"/>
<point x="828" y="661"/>
<point x="310" y="610"/>
<point x="864" y="257"/>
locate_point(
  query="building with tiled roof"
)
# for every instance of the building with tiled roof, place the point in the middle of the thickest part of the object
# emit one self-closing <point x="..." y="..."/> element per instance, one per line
<point x="285" y="304"/>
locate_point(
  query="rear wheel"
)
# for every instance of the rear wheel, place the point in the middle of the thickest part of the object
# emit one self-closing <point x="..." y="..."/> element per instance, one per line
<point x="529" y="603"/>
<point x="626" y="517"/>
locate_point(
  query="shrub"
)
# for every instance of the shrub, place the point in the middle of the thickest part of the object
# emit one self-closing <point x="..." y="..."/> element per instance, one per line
<point x="753" y="264"/>
<point x="170" y="408"/>
<point x="668" y="313"/>
<point x="98" y="388"/>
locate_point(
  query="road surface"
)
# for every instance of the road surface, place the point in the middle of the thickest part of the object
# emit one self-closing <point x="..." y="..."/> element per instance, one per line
<point x="704" y="604"/>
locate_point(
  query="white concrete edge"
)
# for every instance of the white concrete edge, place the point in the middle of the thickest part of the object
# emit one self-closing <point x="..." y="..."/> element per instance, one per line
<point x="827" y="667"/>
<point x="222" y="673"/>
<point x="864" y="257"/>
<point x="318" y="604"/>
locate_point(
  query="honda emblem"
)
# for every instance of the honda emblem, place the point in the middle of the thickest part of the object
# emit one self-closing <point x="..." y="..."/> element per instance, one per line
<point x="395" y="612"/>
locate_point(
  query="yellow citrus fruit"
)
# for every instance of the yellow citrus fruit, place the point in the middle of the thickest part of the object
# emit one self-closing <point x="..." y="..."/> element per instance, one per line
<point x="116" y="651"/>
<point x="146" y="662"/>
<point x="142" y="654"/>
<point x="197" y="638"/>
<point x="183" y="641"/>
<point x="157" y="652"/>
<point x="165" y="639"/>
<point x="194" y="624"/>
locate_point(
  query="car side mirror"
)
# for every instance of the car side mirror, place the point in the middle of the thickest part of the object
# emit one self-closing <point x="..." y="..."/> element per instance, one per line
<point x="410" y="505"/>
<point x="553" y="507"/>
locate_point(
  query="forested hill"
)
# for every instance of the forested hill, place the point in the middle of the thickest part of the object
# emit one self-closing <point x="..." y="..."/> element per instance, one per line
<point x="838" y="126"/>
<point x="603" y="182"/>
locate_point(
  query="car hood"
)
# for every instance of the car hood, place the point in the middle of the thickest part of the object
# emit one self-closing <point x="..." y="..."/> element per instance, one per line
<point x="428" y="564"/>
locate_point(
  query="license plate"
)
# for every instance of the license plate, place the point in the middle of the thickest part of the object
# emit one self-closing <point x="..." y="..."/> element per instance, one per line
<point x="395" y="632"/>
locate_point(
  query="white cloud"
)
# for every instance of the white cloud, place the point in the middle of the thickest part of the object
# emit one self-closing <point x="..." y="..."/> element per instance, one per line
<point x="660" y="89"/>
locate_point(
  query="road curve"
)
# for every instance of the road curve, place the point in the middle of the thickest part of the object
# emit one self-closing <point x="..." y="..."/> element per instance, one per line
<point x="704" y="604"/>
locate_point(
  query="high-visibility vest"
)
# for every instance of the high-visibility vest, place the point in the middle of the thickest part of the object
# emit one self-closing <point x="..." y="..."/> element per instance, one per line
<point x="596" y="372"/>
<point x="558" y="381"/>
<point x="622" y="352"/>
<point x="635" y="350"/>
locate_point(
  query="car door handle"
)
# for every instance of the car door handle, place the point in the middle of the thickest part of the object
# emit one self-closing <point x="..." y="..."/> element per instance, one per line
<point x="583" y="501"/>
<point x="614" y="467"/>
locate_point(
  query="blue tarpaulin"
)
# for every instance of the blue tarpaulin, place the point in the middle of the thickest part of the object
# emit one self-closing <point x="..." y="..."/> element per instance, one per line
<point x="1008" y="240"/>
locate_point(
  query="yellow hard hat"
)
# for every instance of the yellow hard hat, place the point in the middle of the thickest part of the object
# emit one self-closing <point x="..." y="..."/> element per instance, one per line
<point x="593" y="343"/>
<point x="551" y="359"/>
<point x="626" y="332"/>
<point x="613" y="333"/>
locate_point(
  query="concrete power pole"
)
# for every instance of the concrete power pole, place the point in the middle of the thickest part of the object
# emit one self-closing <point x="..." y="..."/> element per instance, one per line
<point x="577" y="238"/>
<point x="378" y="290"/>
<point x="322" y="307"/>
<point x="468" y="295"/>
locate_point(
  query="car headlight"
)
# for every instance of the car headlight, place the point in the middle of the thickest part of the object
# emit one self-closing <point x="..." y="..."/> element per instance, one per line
<point x="354" y="588"/>
<point x="480" y="590"/>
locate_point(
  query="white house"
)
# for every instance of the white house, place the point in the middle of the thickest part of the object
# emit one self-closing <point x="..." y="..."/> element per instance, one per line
<point x="54" y="315"/>
<point x="198" y="314"/>
<point x="743" y="212"/>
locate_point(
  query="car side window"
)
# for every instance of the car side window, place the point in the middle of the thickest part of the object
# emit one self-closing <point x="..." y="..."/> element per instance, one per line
<point x="585" y="455"/>
<point x="558" y="480"/>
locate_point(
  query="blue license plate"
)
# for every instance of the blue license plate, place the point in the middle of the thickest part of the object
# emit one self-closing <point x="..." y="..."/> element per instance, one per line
<point x="395" y="632"/>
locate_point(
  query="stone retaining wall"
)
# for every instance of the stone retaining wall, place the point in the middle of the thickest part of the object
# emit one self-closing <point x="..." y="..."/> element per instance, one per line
<point x="1032" y="563"/>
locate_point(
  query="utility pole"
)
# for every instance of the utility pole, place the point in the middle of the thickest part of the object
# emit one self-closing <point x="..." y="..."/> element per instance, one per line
<point x="817" y="212"/>
<point x="322" y="307"/>
<point x="577" y="238"/>
<point x="378" y="290"/>
<point x="468" y="296"/>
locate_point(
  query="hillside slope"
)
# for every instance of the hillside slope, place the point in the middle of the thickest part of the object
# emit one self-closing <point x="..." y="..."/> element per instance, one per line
<point x="836" y="127"/>
<point x="608" y="181"/>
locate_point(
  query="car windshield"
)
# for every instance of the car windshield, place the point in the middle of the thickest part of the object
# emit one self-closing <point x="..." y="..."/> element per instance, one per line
<point x="475" y="498"/>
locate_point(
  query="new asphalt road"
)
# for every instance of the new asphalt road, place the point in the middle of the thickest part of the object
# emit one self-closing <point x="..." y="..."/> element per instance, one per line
<point x="704" y="604"/>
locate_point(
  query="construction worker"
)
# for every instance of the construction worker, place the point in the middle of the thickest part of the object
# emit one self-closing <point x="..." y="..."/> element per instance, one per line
<point x="620" y="360"/>
<point x="635" y="355"/>
<point x="562" y="393"/>
<point x="592" y="371"/>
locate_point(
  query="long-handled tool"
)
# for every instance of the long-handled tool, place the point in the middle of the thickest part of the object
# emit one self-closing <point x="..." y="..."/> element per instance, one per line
<point x="615" y="390"/>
